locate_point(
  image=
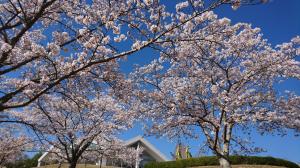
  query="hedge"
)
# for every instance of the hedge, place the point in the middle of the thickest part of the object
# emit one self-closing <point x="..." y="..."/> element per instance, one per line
<point x="213" y="160"/>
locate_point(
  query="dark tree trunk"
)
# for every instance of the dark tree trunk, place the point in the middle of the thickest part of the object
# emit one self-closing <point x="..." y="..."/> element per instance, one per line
<point x="59" y="165"/>
<point x="101" y="162"/>
<point x="73" y="164"/>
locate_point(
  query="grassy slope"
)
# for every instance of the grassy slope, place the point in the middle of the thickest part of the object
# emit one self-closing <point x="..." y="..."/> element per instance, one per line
<point x="243" y="166"/>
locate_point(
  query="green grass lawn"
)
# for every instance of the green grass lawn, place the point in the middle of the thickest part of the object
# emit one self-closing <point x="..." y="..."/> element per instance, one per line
<point x="243" y="166"/>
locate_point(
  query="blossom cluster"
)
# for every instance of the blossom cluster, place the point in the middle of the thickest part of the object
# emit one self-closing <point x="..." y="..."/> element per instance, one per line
<point x="217" y="76"/>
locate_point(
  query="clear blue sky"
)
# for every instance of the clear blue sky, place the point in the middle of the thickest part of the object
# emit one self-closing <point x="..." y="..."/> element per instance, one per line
<point x="279" y="21"/>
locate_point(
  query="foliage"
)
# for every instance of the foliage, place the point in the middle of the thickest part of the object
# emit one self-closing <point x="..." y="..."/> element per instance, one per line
<point x="12" y="143"/>
<point x="26" y="162"/>
<point x="215" y="77"/>
<point x="213" y="160"/>
<point x="75" y="127"/>
<point x="43" y="43"/>
<point x="60" y="75"/>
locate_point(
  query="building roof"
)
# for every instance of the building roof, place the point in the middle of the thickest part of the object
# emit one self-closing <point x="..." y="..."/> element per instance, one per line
<point x="149" y="147"/>
<point x="45" y="154"/>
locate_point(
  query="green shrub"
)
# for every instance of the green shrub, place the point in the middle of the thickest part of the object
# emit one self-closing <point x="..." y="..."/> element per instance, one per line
<point x="213" y="160"/>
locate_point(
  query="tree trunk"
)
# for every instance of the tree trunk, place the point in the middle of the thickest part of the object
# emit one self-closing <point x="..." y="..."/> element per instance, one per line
<point x="73" y="164"/>
<point x="59" y="165"/>
<point x="224" y="158"/>
<point x="224" y="163"/>
<point x="100" y="166"/>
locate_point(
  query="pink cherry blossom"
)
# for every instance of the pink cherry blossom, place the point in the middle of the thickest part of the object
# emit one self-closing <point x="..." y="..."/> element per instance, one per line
<point x="213" y="79"/>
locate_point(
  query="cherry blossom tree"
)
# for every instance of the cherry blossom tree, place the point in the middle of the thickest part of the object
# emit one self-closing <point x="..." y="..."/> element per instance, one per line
<point x="73" y="122"/>
<point x="214" y="77"/>
<point x="45" y="42"/>
<point x="113" y="150"/>
<point x="50" y="47"/>
<point x="12" y="144"/>
<point x="117" y="152"/>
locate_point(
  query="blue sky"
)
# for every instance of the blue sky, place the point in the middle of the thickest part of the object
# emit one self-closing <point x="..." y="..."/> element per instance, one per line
<point x="279" y="21"/>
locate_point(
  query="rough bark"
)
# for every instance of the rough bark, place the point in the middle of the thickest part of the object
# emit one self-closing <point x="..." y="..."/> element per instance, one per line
<point x="73" y="164"/>
<point x="224" y="163"/>
<point x="224" y="159"/>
